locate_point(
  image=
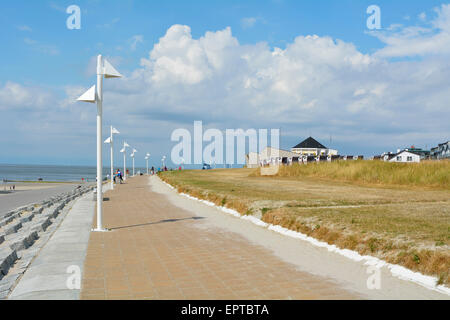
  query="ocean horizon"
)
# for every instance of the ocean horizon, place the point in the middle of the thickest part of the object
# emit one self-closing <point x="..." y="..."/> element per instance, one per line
<point x="58" y="173"/>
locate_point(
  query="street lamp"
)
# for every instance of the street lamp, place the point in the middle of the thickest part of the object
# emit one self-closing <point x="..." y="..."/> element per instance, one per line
<point x="147" y="156"/>
<point x="124" y="151"/>
<point x="95" y="94"/>
<point x="132" y="156"/>
<point x="110" y="140"/>
<point x="163" y="162"/>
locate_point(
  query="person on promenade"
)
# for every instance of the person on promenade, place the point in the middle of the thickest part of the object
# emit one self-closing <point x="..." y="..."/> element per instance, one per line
<point x="119" y="176"/>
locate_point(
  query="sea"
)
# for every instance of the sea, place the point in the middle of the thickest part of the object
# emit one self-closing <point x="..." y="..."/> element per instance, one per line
<point x="14" y="172"/>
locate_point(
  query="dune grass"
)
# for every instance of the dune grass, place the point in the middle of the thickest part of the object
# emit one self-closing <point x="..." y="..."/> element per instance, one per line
<point x="392" y="217"/>
<point x="433" y="174"/>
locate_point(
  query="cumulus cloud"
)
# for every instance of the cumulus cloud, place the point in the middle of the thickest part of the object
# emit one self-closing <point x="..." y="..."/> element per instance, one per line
<point x="18" y="97"/>
<point x="413" y="41"/>
<point x="316" y="84"/>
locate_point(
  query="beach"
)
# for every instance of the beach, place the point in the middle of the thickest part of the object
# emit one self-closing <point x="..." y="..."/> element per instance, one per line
<point x="29" y="193"/>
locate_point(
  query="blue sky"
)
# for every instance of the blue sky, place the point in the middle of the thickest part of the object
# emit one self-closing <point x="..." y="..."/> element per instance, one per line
<point x="41" y="55"/>
<point x="107" y="25"/>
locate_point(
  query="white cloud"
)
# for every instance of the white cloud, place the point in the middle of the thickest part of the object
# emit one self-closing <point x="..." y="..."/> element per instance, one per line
<point x="109" y="24"/>
<point x="418" y="41"/>
<point x="248" y="22"/>
<point x="24" y="28"/>
<point x="315" y="84"/>
<point x="135" y="40"/>
<point x="41" y="47"/>
<point x="422" y="16"/>
<point x="315" y="81"/>
<point x="18" y="97"/>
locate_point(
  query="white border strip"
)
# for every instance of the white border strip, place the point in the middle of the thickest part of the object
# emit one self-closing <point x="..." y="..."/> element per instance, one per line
<point x="398" y="271"/>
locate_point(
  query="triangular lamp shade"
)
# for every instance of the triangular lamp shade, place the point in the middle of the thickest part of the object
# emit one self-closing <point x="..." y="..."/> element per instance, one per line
<point x="122" y="151"/>
<point x="89" y="96"/>
<point x="109" y="71"/>
<point x="126" y="145"/>
<point x="108" y="140"/>
<point x="115" y="131"/>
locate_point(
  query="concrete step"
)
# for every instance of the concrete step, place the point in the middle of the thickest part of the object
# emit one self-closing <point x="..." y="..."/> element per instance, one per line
<point x="26" y="217"/>
<point x="12" y="227"/>
<point x="6" y="221"/>
<point x="7" y="259"/>
<point x="41" y="224"/>
<point x="22" y="241"/>
<point x="20" y="229"/>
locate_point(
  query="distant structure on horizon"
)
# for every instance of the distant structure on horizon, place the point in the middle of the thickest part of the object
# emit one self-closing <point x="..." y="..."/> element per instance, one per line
<point x="309" y="150"/>
<point x="413" y="154"/>
<point x="442" y="151"/>
<point x="312" y="147"/>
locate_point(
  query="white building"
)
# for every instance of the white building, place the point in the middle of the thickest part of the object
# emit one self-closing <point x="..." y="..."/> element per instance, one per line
<point x="442" y="151"/>
<point x="403" y="156"/>
<point x="252" y="160"/>
<point x="270" y="156"/>
<point x="311" y="147"/>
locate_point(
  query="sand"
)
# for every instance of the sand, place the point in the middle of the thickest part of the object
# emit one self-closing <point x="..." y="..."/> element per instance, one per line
<point x="30" y="193"/>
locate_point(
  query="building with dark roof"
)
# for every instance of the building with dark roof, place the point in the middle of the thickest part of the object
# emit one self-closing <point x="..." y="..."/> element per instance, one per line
<point x="312" y="147"/>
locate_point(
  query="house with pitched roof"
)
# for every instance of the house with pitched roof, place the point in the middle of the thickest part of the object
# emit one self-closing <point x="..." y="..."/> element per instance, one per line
<point x="312" y="147"/>
<point x="442" y="151"/>
<point x="403" y="156"/>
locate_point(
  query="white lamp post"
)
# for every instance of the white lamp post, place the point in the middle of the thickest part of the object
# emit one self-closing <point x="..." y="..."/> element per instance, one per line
<point x="132" y="156"/>
<point x="95" y="94"/>
<point x="124" y="151"/>
<point x="163" y="162"/>
<point x="110" y="140"/>
<point x="147" y="156"/>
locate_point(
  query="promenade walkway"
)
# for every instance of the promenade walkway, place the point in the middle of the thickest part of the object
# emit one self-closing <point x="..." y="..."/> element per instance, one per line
<point x="156" y="250"/>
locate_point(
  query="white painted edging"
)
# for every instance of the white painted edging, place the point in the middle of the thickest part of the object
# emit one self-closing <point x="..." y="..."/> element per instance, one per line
<point x="398" y="271"/>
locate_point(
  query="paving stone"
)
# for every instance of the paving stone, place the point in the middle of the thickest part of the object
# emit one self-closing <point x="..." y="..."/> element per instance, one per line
<point x="157" y="248"/>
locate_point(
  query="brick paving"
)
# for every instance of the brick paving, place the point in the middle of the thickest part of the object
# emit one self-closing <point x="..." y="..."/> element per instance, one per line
<point x="155" y="251"/>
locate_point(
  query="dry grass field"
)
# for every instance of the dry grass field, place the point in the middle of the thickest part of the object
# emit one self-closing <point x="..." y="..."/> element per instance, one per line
<point x="395" y="218"/>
